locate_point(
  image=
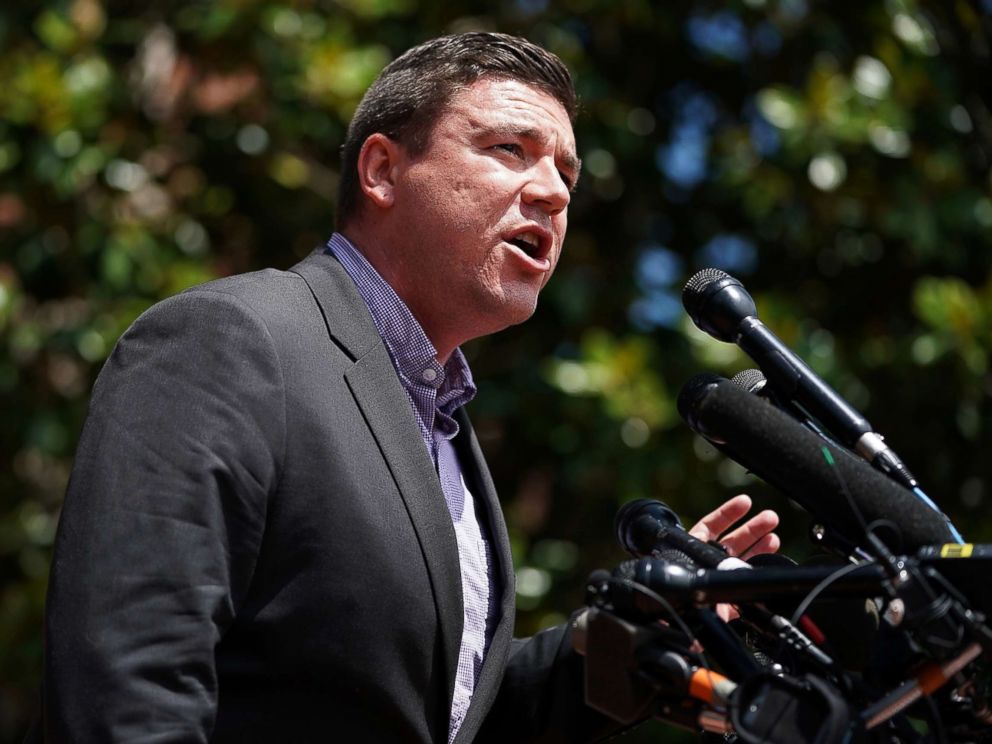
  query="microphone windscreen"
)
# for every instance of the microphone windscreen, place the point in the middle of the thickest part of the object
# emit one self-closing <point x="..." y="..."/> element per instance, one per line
<point x="676" y="556"/>
<point x="717" y="303"/>
<point x="825" y="479"/>
<point x="637" y="523"/>
<point x="751" y="380"/>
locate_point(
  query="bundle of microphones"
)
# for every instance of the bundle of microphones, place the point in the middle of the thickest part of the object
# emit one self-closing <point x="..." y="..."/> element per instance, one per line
<point x="885" y="640"/>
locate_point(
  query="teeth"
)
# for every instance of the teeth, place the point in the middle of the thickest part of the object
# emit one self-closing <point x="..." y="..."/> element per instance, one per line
<point x="529" y="238"/>
<point x="528" y="242"/>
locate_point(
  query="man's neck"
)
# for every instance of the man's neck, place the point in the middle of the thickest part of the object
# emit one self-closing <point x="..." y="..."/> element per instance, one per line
<point x="376" y="251"/>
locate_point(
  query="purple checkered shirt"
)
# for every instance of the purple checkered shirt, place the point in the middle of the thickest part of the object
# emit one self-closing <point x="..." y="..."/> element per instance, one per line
<point x="435" y="393"/>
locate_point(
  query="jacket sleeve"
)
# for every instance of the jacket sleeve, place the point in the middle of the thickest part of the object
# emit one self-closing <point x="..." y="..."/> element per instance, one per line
<point x="162" y="522"/>
<point x="542" y="697"/>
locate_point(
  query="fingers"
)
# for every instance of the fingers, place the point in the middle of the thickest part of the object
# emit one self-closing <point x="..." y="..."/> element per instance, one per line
<point x="748" y="535"/>
<point x="770" y="543"/>
<point x="754" y="537"/>
<point x="720" y="519"/>
<point x="727" y="612"/>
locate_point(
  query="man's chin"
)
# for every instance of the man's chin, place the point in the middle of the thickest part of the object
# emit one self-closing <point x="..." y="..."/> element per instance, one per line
<point x="511" y="312"/>
<point x="520" y="306"/>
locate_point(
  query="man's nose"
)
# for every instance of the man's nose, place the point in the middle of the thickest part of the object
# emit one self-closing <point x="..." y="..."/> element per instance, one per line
<point x="547" y="188"/>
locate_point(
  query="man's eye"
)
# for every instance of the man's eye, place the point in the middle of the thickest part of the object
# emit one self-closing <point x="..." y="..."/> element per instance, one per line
<point x="510" y="147"/>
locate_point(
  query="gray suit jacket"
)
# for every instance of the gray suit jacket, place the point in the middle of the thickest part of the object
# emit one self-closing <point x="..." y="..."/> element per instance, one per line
<point x="255" y="546"/>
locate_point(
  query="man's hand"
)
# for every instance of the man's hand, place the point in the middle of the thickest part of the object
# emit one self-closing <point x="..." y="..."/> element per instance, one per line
<point x="753" y="537"/>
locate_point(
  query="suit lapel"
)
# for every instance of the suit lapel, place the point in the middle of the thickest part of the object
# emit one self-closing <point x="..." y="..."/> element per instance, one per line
<point x="474" y="465"/>
<point x="386" y="408"/>
<point x="347" y="318"/>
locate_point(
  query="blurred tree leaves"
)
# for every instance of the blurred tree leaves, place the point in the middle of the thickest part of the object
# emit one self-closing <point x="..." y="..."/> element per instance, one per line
<point x="834" y="156"/>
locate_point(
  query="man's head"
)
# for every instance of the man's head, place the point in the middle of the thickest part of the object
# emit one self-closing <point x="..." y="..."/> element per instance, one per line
<point x="463" y="209"/>
<point x="410" y="94"/>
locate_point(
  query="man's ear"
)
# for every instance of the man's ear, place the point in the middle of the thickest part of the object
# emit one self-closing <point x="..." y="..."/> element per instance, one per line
<point x="378" y="162"/>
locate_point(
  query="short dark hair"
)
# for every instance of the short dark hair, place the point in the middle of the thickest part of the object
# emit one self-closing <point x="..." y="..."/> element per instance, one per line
<point x="412" y="91"/>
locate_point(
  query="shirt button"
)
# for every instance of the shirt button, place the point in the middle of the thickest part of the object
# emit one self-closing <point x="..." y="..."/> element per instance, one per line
<point x="429" y="374"/>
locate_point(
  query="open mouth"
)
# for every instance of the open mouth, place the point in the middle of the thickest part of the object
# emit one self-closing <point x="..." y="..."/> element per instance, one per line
<point x="529" y="243"/>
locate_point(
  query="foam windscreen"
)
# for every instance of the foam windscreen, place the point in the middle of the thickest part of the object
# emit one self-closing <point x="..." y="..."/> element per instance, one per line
<point x="827" y="480"/>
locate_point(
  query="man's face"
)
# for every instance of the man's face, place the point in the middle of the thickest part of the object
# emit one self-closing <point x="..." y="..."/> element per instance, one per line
<point x="484" y="210"/>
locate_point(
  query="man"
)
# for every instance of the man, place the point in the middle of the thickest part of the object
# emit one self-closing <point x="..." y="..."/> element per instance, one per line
<point x="280" y="526"/>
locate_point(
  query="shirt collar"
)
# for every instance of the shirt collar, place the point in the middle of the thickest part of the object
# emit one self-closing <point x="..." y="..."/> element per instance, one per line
<point x="412" y="352"/>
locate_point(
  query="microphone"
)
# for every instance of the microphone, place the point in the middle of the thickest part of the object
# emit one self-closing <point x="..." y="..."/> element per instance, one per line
<point x="829" y="482"/>
<point x="716" y="636"/>
<point x="841" y="621"/>
<point x="719" y="305"/>
<point x="754" y="382"/>
<point x="687" y="587"/>
<point x="649" y="529"/>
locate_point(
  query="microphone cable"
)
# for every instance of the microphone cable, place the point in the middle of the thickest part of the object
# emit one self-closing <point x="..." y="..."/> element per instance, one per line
<point x="817" y="590"/>
<point x="636" y="586"/>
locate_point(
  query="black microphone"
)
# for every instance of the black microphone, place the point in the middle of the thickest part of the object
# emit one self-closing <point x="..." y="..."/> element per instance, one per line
<point x="755" y="382"/>
<point x="650" y="530"/>
<point x="647" y="528"/>
<point x="836" y="487"/>
<point x="717" y="637"/>
<point x="684" y="588"/>
<point x="719" y="305"/>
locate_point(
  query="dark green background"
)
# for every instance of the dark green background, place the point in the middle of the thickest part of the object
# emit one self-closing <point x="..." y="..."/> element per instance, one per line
<point x="834" y="156"/>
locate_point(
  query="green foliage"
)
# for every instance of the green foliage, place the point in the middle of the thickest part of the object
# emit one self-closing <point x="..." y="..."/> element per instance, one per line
<point x="835" y="156"/>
